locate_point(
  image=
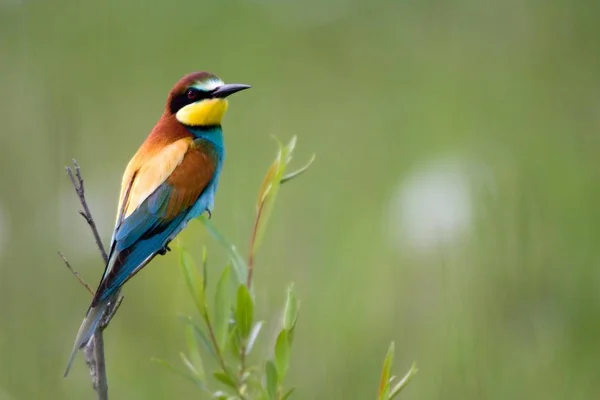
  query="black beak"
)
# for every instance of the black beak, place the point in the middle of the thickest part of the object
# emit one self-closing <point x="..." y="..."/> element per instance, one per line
<point x="229" y="89"/>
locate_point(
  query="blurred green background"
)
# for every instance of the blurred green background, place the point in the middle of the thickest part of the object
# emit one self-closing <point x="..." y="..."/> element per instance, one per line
<point x="453" y="205"/>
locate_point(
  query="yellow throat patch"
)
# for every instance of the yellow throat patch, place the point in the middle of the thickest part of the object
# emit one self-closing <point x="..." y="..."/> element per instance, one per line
<point x="204" y="112"/>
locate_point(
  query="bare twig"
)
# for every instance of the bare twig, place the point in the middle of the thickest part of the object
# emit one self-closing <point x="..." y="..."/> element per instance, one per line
<point x="75" y="273"/>
<point x="77" y="182"/>
<point x="94" y="358"/>
<point x="94" y="350"/>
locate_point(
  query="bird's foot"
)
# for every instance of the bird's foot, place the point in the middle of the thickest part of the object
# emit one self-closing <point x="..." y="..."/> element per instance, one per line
<point x="164" y="250"/>
<point x="209" y="213"/>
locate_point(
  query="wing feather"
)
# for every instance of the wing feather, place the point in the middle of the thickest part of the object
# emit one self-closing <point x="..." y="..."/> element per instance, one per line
<point x="154" y="172"/>
<point x="172" y="181"/>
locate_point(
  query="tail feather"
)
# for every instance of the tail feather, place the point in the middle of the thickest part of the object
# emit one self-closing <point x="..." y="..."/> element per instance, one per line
<point x="87" y="329"/>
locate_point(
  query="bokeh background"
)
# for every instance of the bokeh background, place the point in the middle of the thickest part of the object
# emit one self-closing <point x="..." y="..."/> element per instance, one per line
<point x="453" y="205"/>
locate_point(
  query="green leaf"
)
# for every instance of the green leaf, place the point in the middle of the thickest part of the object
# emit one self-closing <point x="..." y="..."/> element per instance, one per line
<point x="239" y="263"/>
<point x="220" y="395"/>
<point x="225" y="379"/>
<point x="268" y="192"/>
<point x="244" y="311"/>
<point x="201" y="336"/>
<point x="290" y="312"/>
<point x="177" y="371"/>
<point x="223" y="301"/>
<point x="204" y="267"/>
<point x="403" y="382"/>
<point x="270" y="187"/>
<point x="272" y="379"/>
<point x="191" y="367"/>
<point x="254" y="378"/>
<point x="288" y="394"/>
<point x="193" y="279"/>
<point x="292" y="175"/>
<point x="282" y="354"/>
<point x="384" y="381"/>
<point x="253" y="336"/>
<point x="196" y="358"/>
<point x="234" y="343"/>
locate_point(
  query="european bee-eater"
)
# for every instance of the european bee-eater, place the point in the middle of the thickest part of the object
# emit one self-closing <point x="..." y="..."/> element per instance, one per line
<point x="170" y="180"/>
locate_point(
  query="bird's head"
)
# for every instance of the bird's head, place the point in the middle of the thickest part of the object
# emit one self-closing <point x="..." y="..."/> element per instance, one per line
<point x="200" y="99"/>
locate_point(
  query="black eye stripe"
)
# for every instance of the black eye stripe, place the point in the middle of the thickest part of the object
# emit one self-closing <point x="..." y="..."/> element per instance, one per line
<point x="197" y="94"/>
<point x="189" y="96"/>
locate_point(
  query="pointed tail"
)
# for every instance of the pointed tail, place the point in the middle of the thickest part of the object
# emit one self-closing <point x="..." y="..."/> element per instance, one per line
<point x="87" y="329"/>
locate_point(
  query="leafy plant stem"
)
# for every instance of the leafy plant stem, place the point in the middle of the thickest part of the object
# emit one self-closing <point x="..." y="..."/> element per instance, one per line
<point x="213" y="340"/>
<point x="252" y="240"/>
<point x="242" y="360"/>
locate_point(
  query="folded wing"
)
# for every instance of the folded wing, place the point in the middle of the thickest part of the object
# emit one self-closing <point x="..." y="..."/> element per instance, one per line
<point x="158" y="193"/>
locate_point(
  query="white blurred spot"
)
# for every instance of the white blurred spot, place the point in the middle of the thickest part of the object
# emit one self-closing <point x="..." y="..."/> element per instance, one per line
<point x="432" y="207"/>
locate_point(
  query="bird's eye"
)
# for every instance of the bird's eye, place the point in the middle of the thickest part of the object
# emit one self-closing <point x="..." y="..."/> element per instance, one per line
<point x="191" y="94"/>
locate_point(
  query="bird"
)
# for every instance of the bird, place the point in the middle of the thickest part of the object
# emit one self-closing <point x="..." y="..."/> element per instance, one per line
<point x="170" y="180"/>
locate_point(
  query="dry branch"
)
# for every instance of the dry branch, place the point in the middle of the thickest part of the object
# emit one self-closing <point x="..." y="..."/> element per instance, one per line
<point x="94" y="349"/>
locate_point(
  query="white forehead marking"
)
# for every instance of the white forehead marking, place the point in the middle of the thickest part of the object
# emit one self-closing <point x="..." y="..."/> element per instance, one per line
<point x="208" y="85"/>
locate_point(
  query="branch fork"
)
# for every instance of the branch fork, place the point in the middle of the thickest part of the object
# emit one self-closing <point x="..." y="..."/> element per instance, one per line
<point x="94" y="349"/>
